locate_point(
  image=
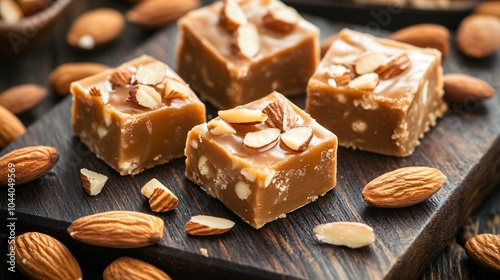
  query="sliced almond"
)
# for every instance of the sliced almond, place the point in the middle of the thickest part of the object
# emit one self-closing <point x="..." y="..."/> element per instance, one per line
<point x="145" y="96"/>
<point x="261" y="138"/>
<point x="100" y="91"/>
<point x="208" y="225"/>
<point x="161" y="199"/>
<point x="368" y="62"/>
<point x="92" y="182"/>
<point x="152" y="73"/>
<point x="280" y="115"/>
<point x="176" y="89"/>
<point x="232" y="16"/>
<point x="365" y="82"/>
<point x="350" y="234"/>
<point x="246" y="40"/>
<point x="220" y="127"/>
<point x="393" y="66"/>
<point x="242" y="116"/>
<point x="121" y="76"/>
<point x="297" y="139"/>
<point x="340" y="74"/>
<point x="282" y="20"/>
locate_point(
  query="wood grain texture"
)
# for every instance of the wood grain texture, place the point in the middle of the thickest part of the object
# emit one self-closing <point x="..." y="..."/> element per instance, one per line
<point x="465" y="146"/>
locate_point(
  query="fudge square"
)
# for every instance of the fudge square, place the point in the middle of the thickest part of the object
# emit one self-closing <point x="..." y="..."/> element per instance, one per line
<point x="376" y="94"/>
<point x="135" y="116"/>
<point x="263" y="159"/>
<point x="234" y="52"/>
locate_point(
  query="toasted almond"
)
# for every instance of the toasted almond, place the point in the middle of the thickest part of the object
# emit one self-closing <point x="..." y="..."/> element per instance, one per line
<point x="425" y="36"/>
<point x="297" y="139"/>
<point x="393" y="66"/>
<point x="340" y="75"/>
<point x="220" y="127"/>
<point x="21" y="98"/>
<point x="40" y="256"/>
<point x="242" y="116"/>
<point x="101" y="92"/>
<point x="95" y="28"/>
<point x="92" y="182"/>
<point x="10" y="127"/>
<point x="62" y="77"/>
<point x="365" y="82"/>
<point x="474" y="35"/>
<point x="280" y="115"/>
<point x="208" y="225"/>
<point x="121" y="77"/>
<point x="488" y="8"/>
<point x="145" y="96"/>
<point x="161" y="199"/>
<point x="461" y="88"/>
<point x="261" y="138"/>
<point x="29" y="163"/>
<point x="282" y="20"/>
<point x="176" y="89"/>
<point x="246" y="40"/>
<point x="327" y="43"/>
<point x="151" y="73"/>
<point x="125" y="268"/>
<point x="368" y="62"/>
<point x="350" y="234"/>
<point x="118" y="229"/>
<point x="232" y="16"/>
<point x="158" y="13"/>
<point x="10" y="12"/>
<point x="403" y="187"/>
<point x="484" y="249"/>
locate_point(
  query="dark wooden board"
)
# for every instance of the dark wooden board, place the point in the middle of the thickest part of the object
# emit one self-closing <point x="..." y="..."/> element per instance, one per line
<point x="465" y="145"/>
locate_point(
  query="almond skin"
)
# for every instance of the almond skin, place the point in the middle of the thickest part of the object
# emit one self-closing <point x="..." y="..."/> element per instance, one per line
<point x="40" y="256"/>
<point x="62" y="77"/>
<point x="118" y="229"/>
<point x="10" y="127"/>
<point x="425" y="36"/>
<point x="158" y="13"/>
<point x="29" y="163"/>
<point x="21" y="98"/>
<point x="403" y="187"/>
<point x="95" y="28"/>
<point x="461" y="88"/>
<point x="475" y="35"/>
<point x="484" y="249"/>
<point x="126" y="268"/>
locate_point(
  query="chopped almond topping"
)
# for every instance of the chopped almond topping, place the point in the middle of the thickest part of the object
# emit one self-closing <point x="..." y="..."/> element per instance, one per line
<point x="393" y="66"/>
<point x="280" y="115"/>
<point x="145" y="96"/>
<point x="365" y="82"/>
<point x="232" y="16"/>
<point x="246" y="40"/>
<point x="282" y="20"/>
<point x="297" y="139"/>
<point x="121" y="76"/>
<point x="368" y="62"/>
<point x="261" y="138"/>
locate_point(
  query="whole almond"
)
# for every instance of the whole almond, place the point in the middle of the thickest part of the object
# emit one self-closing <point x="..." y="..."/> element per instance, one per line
<point x="461" y="88"/>
<point x="484" y="249"/>
<point x="126" y="268"/>
<point x="40" y="256"/>
<point x="95" y="28"/>
<point x="21" y="98"/>
<point x="477" y="35"/>
<point x="403" y="187"/>
<point x="118" y="229"/>
<point x="62" y="77"/>
<point x="158" y="13"/>
<point x="10" y="127"/>
<point x="425" y="36"/>
<point x="27" y="164"/>
<point x="488" y="8"/>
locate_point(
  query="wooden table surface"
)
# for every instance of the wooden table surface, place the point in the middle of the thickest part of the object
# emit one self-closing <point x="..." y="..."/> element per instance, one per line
<point x="36" y="66"/>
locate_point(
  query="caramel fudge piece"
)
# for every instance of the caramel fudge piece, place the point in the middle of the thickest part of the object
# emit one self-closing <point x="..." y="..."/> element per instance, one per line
<point x="262" y="160"/>
<point x="135" y="116"/>
<point x="376" y="94"/>
<point x="234" y="52"/>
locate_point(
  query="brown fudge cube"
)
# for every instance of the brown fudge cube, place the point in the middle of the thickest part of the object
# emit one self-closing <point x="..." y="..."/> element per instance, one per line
<point x="259" y="169"/>
<point x="135" y="116"/>
<point x="376" y="94"/>
<point x="234" y="58"/>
